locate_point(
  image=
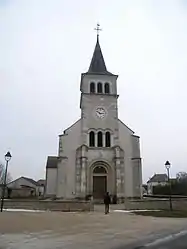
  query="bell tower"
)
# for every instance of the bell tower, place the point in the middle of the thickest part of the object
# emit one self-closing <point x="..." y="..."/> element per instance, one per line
<point x="98" y="103"/>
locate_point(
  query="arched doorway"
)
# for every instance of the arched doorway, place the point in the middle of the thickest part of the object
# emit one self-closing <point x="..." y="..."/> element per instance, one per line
<point x="99" y="182"/>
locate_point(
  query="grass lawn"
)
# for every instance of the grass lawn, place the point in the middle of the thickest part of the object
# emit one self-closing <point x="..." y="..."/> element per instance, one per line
<point x="163" y="213"/>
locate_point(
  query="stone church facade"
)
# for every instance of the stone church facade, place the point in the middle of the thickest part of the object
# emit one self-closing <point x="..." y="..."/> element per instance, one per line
<point x="98" y="153"/>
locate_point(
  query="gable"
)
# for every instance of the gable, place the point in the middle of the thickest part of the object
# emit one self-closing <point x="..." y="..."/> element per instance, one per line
<point x="22" y="181"/>
<point x="30" y="180"/>
<point x="125" y="127"/>
<point x="71" y="127"/>
<point x="41" y="182"/>
<point x="52" y="162"/>
<point x="158" y="178"/>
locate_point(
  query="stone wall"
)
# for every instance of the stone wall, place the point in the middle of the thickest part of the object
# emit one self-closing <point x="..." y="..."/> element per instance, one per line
<point x="57" y="205"/>
<point x="157" y="204"/>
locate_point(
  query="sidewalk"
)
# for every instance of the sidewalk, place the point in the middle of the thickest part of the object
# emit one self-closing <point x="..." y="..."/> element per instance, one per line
<point x="79" y="230"/>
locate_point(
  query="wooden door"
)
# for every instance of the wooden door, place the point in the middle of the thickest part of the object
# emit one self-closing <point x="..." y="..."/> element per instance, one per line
<point x="99" y="186"/>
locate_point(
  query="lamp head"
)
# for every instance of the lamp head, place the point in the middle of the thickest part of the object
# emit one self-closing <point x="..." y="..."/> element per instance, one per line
<point x="167" y="165"/>
<point x="8" y="156"/>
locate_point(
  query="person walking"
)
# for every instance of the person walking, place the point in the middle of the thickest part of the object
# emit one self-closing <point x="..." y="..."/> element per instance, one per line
<point x="107" y="202"/>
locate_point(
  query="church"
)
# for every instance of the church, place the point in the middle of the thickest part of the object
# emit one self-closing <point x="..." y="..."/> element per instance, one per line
<point x="98" y="153"/>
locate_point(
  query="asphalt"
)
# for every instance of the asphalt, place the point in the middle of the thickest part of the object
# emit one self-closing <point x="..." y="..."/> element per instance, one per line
<point x="173" y="241"/>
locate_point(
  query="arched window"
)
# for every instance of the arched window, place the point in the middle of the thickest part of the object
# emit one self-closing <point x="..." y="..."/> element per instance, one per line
<point x="99" y="139"/>
<point x="107" y="139"/>
<point x="91" y="139"/>
<point x="107" y="88"/>
<point x="99" y="87"/>
<point x="92" y="87"/>
<point x="99" y="170"/>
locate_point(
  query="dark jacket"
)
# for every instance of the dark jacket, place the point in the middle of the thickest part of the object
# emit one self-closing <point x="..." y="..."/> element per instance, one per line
<point x="107" y="199"/>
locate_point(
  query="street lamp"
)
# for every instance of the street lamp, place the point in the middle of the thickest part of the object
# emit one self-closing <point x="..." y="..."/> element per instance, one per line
<point x="7" y="159"/>
<point x="168" y="166"/>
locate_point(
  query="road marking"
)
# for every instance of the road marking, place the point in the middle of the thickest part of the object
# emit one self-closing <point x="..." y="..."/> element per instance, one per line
<point x="135" y="210"/>
<point x="167" y="238"/>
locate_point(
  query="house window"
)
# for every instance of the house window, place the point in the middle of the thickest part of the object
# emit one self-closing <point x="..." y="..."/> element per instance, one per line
<point x="99" y="139"/>
<point x="107" y="139"/>
<point x="91" y="139"/>
<point x="107" y="88"/>
<point x="99" y="87"/>
<point x="92" y="87"/>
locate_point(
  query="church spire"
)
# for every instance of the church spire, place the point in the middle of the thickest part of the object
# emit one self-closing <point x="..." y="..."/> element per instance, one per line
<point x="97" y="65"/>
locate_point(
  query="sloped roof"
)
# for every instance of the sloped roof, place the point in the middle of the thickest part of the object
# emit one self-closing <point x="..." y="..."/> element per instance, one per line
<point x="66" y="130"/>
<point x="30" y="180"/>
<point x="125" y="126"/>
<point x="26" y="179"/>
<point x="41" y="182"/>
<point x="158" y="178"/>
<point x="52" y="162"/>
<point x="97" y="65"/>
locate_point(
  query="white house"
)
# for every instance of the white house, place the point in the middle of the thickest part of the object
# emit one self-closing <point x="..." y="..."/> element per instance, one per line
<point x="35" y="188"/>
<point x="41" y="187"/>
<point x="155" y="180"/>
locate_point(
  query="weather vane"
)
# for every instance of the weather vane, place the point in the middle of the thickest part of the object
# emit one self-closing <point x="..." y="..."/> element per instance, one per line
<point x="98" y="29"/>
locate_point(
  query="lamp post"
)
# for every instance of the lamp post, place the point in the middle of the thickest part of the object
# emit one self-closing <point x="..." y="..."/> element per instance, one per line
<point x="7" y="159"/>
<point x="168" y="166"/>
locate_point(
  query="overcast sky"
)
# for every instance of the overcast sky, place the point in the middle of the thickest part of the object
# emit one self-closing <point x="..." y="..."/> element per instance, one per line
<point x="45" y="45"/>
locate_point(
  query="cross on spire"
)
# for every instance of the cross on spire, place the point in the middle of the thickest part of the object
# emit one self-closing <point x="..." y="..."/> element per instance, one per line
<point x="98" y="29"/>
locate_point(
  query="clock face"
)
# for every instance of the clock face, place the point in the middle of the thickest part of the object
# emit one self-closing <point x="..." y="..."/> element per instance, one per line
<point x="100" y="112"/>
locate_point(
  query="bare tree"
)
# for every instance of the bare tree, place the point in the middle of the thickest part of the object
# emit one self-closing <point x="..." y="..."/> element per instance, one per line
<point x="181" y="176"/>
<point x="2" y="174"/>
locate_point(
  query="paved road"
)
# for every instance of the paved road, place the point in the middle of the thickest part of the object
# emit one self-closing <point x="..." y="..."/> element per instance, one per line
<point x="94" y="230"/>
<point x="175" y="241"/>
